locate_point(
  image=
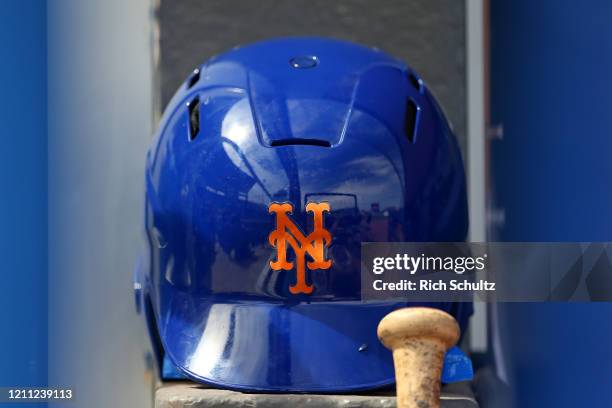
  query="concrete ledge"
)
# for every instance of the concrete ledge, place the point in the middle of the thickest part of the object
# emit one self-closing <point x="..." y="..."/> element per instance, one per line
<point x="190" y="395"/>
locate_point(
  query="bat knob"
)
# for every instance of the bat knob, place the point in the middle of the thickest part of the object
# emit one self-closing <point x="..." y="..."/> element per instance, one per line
<point x="419" y="338"/>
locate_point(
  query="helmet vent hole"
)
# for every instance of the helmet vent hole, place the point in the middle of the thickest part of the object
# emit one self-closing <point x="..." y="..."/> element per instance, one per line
<point x="300" y="142"/>
<point x="194" y="78"/>
<point x="416" y="82"/>
<point x="410" y="121"/>
<point x="194" y="117"/>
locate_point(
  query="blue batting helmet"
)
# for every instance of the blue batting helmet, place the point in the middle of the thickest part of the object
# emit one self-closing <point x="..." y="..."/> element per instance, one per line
<point x="273" y="162"/>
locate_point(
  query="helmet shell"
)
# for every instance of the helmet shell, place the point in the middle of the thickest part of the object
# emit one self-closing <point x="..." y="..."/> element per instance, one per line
<point x="293" y="121"/>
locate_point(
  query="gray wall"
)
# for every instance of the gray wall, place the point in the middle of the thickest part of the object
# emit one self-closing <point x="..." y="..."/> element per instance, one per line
<point x="99" y="109"/>
<point x="428" y="34"/>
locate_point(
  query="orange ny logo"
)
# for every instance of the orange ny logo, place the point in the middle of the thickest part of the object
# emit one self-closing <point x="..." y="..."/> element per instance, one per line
<point x="287" y="232"/>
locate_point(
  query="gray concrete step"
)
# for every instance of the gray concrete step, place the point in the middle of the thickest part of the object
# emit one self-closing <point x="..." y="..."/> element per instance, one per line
<point x="190" y="395"/>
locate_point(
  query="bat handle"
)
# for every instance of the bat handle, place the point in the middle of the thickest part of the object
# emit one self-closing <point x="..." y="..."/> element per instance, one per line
<point x="419" y="338"/>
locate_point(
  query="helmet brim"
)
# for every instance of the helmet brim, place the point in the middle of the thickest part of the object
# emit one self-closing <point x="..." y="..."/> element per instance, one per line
<point x="258" y="346"/>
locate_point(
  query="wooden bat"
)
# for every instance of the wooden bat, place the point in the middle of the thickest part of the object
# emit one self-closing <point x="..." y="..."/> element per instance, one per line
<point x="419" y="338"/>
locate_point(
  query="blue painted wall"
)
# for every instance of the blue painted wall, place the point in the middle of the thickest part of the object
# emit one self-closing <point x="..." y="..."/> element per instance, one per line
<point x="23" y="201"/>
<point x="551" y="87"/>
